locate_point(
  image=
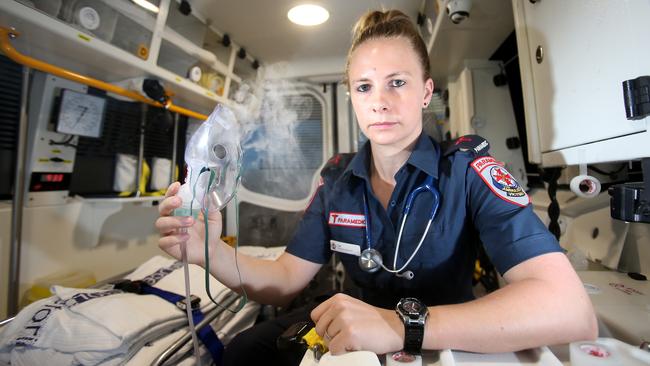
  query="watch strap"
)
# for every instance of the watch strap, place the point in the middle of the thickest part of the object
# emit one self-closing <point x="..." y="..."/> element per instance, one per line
<point x="413" y="337"/>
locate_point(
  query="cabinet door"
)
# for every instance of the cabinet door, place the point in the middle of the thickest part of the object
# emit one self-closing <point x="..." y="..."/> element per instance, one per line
<point x="589" y="48"/>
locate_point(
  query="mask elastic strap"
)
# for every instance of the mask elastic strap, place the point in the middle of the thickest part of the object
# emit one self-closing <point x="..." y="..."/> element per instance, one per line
<point x="244" y="298"/>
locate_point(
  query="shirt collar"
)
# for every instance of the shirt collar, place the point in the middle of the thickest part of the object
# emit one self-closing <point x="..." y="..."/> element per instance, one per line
<point x="425" y="156"/>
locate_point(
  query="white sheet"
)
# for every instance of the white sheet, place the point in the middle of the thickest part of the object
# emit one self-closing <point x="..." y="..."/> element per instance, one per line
<point x="75" y="326"/>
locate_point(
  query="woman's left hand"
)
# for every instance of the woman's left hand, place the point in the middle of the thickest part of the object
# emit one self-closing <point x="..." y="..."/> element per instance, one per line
<point x="347" y="324"/>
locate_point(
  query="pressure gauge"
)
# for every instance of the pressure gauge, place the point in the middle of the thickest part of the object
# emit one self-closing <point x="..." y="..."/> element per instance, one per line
<point x="81" y="114"/>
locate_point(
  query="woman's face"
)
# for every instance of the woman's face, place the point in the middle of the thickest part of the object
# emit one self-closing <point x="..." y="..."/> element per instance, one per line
<point x="387" y="91"/>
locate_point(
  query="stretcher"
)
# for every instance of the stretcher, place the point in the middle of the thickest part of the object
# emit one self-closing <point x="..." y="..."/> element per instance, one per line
<point x="111" y="325"/>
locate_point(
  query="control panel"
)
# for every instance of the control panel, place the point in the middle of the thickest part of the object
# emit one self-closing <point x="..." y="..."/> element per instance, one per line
<point x="60" y="111"/>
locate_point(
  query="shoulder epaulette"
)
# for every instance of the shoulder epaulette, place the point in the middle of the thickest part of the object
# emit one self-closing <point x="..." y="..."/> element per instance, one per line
<point x="476" y="144"/>
<point x="336" y="165"/>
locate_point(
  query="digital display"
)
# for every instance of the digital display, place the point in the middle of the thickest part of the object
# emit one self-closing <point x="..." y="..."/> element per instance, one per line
<point x="46" y="182"/>
<point x="52" y="177"/>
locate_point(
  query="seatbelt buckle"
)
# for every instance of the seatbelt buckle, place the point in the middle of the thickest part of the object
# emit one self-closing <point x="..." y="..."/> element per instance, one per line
<point x="195" y="303"/>
<point x="315" y="343"/>
<point x="292" y="336"/>
<point x="302" y="337"/>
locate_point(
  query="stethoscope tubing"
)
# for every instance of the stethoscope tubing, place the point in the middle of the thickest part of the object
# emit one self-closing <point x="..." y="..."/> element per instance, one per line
<point x="427" y="186"/>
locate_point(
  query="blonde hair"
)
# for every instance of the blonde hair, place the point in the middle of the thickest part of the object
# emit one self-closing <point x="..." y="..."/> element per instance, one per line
<point x="388" y="24"/>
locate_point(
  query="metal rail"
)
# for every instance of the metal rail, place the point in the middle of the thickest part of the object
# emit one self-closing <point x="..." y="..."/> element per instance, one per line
<point x="20" y="184"/>
<point x="8" y="49"/>
<point x="180" y="342"/>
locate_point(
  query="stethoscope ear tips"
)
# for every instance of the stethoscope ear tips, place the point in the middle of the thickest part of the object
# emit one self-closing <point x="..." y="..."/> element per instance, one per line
<point x="407" y="274"/>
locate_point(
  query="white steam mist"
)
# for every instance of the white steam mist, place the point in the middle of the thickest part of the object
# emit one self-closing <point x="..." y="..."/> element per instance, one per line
<point x="273" y="114"/>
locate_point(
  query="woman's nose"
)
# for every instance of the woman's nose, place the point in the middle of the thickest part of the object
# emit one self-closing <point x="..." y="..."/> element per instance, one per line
<point x="380" y="102"/>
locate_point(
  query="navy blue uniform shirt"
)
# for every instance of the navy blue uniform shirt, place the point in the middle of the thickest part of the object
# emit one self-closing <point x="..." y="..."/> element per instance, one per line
<point x="472" y="211"/>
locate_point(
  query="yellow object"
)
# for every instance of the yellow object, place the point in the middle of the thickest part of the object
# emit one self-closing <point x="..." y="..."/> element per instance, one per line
<point x="212" y="81"/>
<point x="41" y="287"/>
<point x="230" y="240"/>
<point x="144" y="178"/>
<point x="9" y="50"/>
<point x="313" y="339"/>
<point x="143" y="52"/>
<point x="478" y="270"/>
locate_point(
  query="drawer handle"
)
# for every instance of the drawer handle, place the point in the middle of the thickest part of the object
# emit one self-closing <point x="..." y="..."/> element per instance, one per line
<point x="539" y="54"/>
<point x="534" y="1"/>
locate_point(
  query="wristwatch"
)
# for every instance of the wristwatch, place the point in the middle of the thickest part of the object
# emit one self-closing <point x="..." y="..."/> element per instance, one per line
<point x="413" y="313"/>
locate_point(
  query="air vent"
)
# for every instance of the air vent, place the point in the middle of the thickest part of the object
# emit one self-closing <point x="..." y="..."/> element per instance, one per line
<point x="10" y="90"/>
<point x="10" y="94"/>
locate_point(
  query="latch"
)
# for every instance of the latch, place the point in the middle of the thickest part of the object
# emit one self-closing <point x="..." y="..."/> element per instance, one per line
<point x="636" y="94"/>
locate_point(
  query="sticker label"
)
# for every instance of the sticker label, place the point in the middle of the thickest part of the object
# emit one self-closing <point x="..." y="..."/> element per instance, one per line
<point x="345" y="248"/>
<point x="500" y="181"/>
<point x="625" y="289"/>
<point x="347" y="219"/>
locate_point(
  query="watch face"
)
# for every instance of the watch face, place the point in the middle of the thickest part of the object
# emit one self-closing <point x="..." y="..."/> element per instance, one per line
<point x="412" y="306"/>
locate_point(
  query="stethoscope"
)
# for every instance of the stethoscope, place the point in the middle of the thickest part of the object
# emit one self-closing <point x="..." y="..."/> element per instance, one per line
<point x="371" y="260"/>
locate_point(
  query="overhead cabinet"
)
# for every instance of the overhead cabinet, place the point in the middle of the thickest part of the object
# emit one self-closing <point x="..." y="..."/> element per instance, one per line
<point x="115" y="40"/>
<point x="574" y="57"/>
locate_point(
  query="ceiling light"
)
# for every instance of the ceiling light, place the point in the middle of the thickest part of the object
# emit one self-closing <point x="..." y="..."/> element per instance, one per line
<point x="147" y="5"/>
<point x="308" y="14"/>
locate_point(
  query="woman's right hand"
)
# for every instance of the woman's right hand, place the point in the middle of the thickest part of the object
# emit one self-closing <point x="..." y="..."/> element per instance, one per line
<point x="172" y="235"/>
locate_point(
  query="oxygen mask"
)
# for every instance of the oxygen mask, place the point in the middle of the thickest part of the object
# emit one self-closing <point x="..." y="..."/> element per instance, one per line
<point x="213" y="157"/>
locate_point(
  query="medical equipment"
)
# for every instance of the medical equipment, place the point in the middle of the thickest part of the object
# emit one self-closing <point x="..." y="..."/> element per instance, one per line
<point x="371" y="260"/>
<point x="51" y="153"/>
<point x="213" y="149"/>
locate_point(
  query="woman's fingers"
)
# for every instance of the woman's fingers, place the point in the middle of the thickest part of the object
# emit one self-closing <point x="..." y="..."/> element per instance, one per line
<point x="172" y="189"/>
<point x="171" y="201"/>
<point x="168" y="205"/>
<point x="169" y="241"/>
<point x="170" y="224"/>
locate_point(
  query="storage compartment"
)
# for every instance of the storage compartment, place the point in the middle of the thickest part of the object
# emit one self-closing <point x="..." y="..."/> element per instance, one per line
<point x="234" y="86"/>
<point x="132" y="37"/>
<point x="214" y="43"/>
<point x="187" y="26"/>
<point x="120" y="23"/>
<point x="51" y="7"/>
<point x="572" y="68"/>
<point x="90" y="16"/>
<point x="244" y="68"/>
<point x="175" y="60"/>
<point x="208" y="78"/>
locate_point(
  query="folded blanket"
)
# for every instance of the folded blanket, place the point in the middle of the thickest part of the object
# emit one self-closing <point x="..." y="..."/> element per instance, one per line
<point x="101" y="326"/>
<point x="91" y="326"/>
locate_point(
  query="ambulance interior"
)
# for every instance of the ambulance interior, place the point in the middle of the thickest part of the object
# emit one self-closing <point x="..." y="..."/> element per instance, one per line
<point x="558" y="88"/>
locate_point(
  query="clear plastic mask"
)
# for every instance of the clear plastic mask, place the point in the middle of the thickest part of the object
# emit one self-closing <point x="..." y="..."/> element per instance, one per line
<point x="213" y="157"/>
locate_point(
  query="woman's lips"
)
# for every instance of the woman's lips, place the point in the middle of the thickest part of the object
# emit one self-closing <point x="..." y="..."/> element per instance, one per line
<point x="382" y="125"/>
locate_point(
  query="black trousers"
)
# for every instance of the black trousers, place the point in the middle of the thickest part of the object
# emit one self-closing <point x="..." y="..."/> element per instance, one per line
<point x="257" y="345"/>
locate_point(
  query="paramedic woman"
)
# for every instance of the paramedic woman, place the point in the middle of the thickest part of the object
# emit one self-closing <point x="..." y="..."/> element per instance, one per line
<point x="388" y="78"/>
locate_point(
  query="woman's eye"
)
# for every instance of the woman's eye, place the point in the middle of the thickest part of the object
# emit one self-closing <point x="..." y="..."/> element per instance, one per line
<point x="363" y="88"/>
<point x="397" y="83"/>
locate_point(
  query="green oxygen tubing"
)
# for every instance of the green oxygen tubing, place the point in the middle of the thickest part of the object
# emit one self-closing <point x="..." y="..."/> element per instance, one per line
<point x="213" y="157"/>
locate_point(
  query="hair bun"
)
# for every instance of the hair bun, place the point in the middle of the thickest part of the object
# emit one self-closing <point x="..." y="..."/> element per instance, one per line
<point x="374" y="18"/>
<point x="389" y="24"/>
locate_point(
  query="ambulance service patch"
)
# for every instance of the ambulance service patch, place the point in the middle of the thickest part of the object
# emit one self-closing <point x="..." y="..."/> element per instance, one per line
<point x="500" y="181"/>
<point x="347" y="219"/>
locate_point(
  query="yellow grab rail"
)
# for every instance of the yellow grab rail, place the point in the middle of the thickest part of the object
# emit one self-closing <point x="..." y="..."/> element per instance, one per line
<point x="9" y="50"/>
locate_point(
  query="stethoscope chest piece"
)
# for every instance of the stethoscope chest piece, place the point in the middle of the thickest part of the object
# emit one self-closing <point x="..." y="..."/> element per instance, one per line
<point x="370" y="260"/>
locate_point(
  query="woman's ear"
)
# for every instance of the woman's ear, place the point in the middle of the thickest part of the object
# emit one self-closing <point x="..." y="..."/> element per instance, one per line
<point x="428" y="92"/>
